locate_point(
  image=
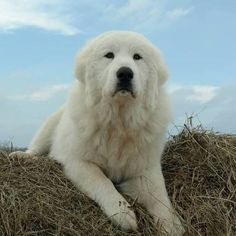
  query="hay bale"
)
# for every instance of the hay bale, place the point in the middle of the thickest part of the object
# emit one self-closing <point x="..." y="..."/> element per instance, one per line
<point x="200" y="172"/>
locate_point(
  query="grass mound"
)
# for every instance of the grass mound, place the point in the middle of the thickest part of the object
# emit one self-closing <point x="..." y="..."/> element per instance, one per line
<point x="200" y="173"/>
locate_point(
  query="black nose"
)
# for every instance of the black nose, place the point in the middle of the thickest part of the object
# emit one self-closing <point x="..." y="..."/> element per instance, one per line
<point x="125" y="74"/>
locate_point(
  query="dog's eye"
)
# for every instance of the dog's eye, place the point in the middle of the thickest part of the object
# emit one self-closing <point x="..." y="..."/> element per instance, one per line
<point x="137" y="56"/>
<point x="110" y="55"/>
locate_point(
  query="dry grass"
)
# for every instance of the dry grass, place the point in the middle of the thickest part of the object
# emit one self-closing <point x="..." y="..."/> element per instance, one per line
<point x="200" y="172"/>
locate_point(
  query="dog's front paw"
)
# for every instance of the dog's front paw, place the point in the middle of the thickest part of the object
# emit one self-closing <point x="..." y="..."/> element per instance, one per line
<point x="125" y="220"/>
<point x="173" y="227"/>
<point x="123" y="216"/>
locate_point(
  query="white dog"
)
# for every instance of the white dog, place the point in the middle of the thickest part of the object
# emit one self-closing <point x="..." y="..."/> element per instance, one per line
<point x="111" y="131"/>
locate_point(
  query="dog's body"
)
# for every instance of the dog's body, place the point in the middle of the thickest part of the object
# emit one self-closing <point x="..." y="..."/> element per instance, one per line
<point x="112" y="128"/>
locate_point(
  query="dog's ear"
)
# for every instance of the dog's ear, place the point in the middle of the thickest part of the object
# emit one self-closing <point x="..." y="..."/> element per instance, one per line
<point x="159" y="76"/>
<point x="81" y="62"/>
<point x="160" y="67"/>
<point x="80" y="66"/>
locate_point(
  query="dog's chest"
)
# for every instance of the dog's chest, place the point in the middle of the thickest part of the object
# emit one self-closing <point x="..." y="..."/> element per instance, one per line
<point x="122" y="152"/>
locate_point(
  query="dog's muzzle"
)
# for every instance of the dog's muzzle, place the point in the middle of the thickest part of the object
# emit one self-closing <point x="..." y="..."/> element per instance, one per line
<point x="124" y="81"/>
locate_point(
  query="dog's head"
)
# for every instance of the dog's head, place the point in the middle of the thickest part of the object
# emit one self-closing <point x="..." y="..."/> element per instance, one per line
<point x="121" y="65"/>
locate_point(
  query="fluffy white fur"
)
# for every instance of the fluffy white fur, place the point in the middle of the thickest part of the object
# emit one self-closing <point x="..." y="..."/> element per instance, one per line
<point x="105" y="141"/>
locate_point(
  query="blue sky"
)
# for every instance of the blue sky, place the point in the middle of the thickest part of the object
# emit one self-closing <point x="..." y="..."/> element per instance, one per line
<point x="39" y="40"/>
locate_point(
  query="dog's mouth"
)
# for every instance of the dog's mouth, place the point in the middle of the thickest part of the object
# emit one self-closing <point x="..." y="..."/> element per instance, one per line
<point x="124" y="91"/>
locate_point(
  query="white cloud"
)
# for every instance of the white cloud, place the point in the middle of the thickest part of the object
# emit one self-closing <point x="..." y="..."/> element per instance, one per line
<point x="60" y="15"/>
<point x="134" y="6"/>
<point x="174" y="87"/>
<point x="203" y="94"/>
<point x="45" y="14"/>
<point x="144" y="14"/>
<point x="41" y="95"/>
<point x="214" y="106"/>
<point x="178" y="12"/>
<point x="197" y="93"/>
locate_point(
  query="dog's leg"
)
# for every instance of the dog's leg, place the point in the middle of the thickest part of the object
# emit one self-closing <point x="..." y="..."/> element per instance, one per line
<point x="42" y="140"/>
<point x="150" y="190"/>
<point x="90" y="179"/>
